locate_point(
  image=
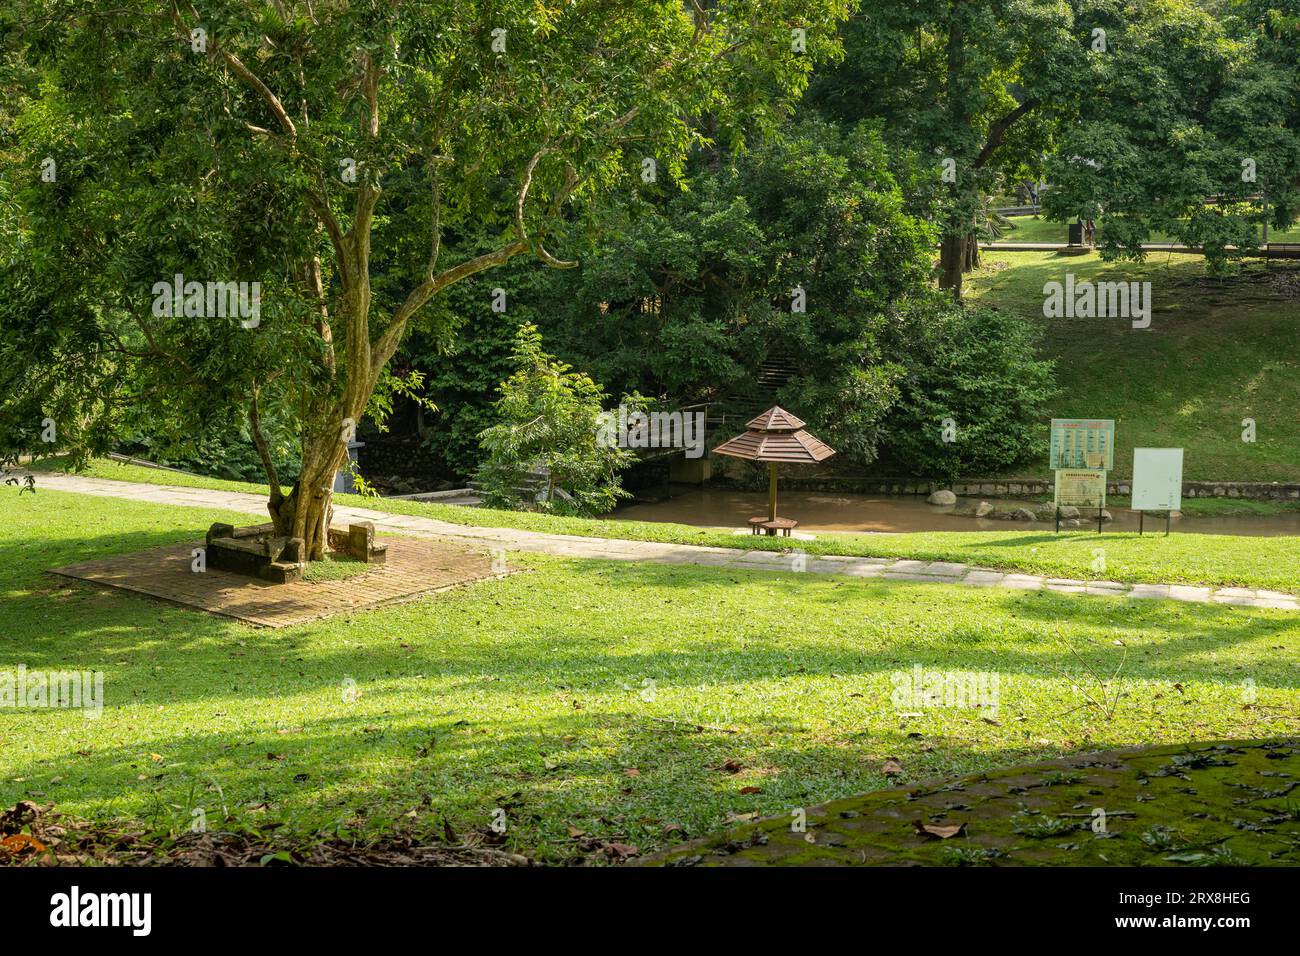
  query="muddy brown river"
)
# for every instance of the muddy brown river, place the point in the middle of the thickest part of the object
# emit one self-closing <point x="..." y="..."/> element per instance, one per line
<point x="821" y="511"/>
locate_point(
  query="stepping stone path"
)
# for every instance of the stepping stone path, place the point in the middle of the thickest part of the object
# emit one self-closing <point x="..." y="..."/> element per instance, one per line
<point x="574" y="546"/>
<point x="1203" y="804"/>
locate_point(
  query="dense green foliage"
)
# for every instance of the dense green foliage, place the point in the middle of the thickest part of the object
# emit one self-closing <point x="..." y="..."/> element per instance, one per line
<point x="1189" y="107"/>
<point x="549" y="428"/>
<point x="690" y="290"/>
<point x="353" y="160"/>
<point x="977" y="369"/>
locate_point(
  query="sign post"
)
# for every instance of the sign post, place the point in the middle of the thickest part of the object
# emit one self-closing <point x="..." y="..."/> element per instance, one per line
<point x="1157" y="483"/>
<point x="1082" y="451"/>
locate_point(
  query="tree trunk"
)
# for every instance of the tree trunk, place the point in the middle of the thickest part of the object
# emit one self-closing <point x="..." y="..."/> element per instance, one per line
<point x="952" y="259"/>
<point x="972" y="256"/>
<point x="306" y="511"/>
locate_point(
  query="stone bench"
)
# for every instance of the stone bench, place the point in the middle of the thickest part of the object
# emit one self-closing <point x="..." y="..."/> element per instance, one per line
<point x="259" y="552"/>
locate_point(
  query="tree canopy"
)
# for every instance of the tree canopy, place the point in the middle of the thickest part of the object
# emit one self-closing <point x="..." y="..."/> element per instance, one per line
<point x="329" y="152"/>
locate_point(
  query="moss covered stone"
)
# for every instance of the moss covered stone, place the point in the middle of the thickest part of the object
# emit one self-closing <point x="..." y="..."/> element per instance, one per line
<point x="1204" y="804"/>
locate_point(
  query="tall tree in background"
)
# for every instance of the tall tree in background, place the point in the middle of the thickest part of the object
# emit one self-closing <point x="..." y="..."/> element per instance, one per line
<point x="328" y="151"/>
<point x="1193" y="133"/>
<point x="978" y="86"/>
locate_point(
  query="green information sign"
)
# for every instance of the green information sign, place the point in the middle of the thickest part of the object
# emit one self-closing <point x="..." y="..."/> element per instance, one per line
<point x="1083" y="443"/>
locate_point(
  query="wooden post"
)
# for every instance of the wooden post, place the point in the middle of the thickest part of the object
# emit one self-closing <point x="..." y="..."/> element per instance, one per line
<point x="771" y="491"/>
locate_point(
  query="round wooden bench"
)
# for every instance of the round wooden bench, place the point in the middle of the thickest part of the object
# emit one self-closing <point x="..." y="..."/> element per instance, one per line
<point x="780" y="526"/>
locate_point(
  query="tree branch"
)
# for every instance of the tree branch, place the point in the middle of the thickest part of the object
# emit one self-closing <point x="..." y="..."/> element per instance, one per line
<point x="263" y="450"/>
<point x="421" y="294"/>
<point x="998" y="130"/>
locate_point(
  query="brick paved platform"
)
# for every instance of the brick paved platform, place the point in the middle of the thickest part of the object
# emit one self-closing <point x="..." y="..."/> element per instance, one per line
<point x="414" y="567"/>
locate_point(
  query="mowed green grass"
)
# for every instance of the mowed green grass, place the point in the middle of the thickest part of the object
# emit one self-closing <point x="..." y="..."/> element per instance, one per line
<point x="1216" y="353"/>
<point x="1038" y="229"/>
<point x="1200" y="559"/>
<point x="570" y="696"/>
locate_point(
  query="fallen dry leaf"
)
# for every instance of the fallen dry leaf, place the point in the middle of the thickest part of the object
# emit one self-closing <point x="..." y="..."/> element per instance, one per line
<point x="751" y="789"/>
<point x="620" y="851"/>
<point x="943" y="831"/>
<point x="21" y="842"/>
<point x="732" y="766"/>
<point x="891" y="767"/>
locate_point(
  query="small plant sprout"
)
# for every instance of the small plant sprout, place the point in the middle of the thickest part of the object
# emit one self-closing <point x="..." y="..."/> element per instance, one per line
<point x="949" y="430"/>
<point x="199" y="561"/>
<point x="1248" y="430"/>
<point x="798" y="299"/>
<point x="1098" y="691"/>
<point x="498" y="299"/>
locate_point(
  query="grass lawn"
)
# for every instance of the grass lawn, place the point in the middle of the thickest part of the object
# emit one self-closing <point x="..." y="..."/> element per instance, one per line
<point x="1038" y="229"/>
<point x="1199" y="559"/>
<point x="1217" y="352"/>
<point x="592" y="701"/>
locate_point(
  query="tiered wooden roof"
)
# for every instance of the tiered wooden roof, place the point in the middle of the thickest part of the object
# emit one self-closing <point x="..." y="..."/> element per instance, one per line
<point x="778" y="436"/>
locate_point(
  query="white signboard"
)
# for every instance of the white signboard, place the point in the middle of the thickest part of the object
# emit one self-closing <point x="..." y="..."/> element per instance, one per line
<point x="1157" y="479"/>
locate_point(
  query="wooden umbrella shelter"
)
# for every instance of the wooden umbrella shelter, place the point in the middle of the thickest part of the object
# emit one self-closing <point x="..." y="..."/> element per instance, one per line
<point x="775" y="436"/>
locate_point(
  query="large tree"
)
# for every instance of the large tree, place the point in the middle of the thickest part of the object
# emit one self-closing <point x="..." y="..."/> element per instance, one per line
<point x="975" y="86"/>
<point x="1200" y="143"/>
<point x="329" y="151"/>
<point x="988" y="90"/>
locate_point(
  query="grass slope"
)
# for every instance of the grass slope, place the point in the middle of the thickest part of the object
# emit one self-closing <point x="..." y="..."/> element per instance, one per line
<point x="594" y="702"/>
<point x="1215" y="354"/>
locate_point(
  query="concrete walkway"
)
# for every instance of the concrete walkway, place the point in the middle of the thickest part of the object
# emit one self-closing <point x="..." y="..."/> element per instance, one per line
<point x="573" y="546"/>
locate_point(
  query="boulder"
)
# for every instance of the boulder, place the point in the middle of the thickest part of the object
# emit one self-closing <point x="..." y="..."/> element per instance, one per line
<point x="942" y="497"/>
<point x="1105" y="515"/>
<point x="1022" y="514"/>
<point x="1069" y="511"/>
<point x="983" y="510"/>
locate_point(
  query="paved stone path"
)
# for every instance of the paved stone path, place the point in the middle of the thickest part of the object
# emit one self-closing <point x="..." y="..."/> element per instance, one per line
<point x="564" y="545"/>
